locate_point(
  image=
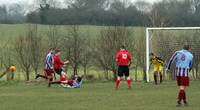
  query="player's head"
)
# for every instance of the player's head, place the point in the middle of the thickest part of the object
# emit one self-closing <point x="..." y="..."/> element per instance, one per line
<point x="52" y="50"/>
<point x="122" y="47"/>
<point x="57" y="52"/>
<point x="79" y="79"/>
<point x="186" y="47"/>
<point x="151" y="54"/>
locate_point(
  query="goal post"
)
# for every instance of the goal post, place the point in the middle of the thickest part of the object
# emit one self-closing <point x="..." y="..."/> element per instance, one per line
<point x="149" y="37"/>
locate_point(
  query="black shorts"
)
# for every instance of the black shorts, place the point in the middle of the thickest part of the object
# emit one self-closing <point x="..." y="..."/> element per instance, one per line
<point x="123" y="71"/>
<point x="58" y="71"/>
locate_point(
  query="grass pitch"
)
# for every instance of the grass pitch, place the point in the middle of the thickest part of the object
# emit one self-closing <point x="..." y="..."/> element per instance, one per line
<point x="95" y="96"/>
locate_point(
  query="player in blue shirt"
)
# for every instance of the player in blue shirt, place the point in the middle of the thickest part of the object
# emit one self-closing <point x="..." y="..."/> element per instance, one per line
<point x="183" y="60"/>
<point x="48" y="66"/>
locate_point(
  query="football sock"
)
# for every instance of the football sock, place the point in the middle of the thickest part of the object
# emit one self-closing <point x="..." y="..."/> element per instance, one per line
<point x="129" y="83"/>
<point x="155" y="78"/>
<point x="161" y="78"/>
<point x="180" y="95"/>
<point x="117" y="84"/>
<point x="184" y="97"/>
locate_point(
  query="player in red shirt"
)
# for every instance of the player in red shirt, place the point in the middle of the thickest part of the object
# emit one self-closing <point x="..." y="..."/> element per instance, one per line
<point x="123" y="59"/>
<point x="58" y="64"/>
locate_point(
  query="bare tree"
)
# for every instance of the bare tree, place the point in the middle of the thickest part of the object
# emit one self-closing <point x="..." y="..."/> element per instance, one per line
<point x="86" y="55"/>
<point x="74" y="47"/>
<point x="23" y="51"/>
<point x="37" y="48"/>
<point x="54" y="37"/>
<point x="108" y="44"/>
<point x="139" y="50"/>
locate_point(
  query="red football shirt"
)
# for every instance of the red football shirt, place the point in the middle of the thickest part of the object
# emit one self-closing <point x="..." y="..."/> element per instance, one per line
<point x="123" y="58"/>
<point x="57" y="63"/>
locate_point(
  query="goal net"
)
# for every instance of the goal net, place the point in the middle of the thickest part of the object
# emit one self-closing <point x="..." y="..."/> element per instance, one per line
<point x="165" y="41"/>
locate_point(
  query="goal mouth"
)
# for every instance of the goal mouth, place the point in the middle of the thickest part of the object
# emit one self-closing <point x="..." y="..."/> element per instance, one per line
<point x="166" y="45"/>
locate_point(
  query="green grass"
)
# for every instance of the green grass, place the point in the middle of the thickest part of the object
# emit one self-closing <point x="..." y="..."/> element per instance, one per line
<point x="95" y="96"/>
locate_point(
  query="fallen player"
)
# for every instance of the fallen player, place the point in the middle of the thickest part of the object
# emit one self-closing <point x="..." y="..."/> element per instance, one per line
<point x="66" y="83"/>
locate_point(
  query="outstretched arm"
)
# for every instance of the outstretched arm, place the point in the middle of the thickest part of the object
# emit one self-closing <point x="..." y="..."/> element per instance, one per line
<point x="171" y="60"/>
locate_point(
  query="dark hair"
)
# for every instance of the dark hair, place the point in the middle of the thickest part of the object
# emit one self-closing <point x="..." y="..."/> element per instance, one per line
<point x="52" y="48"/>
<point x="122" y="47"/>
<point x="151" y="54"/>
<point x="186" y="47"/>
<point x="79" y="79"/>
<point x="57" y="51"/>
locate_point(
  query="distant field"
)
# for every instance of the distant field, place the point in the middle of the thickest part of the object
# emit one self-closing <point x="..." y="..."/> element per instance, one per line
<point x="11" y="31"/>
<point x="95" y="96"/>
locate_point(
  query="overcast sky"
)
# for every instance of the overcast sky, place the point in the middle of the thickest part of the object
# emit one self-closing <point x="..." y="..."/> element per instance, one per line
<point x="31" y="1"/>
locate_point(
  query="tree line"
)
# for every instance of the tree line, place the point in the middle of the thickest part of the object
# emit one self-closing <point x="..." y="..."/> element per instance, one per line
<point x="28" y="51"/>
<point x="97" y="52"/>
<point x="107" y="12"/>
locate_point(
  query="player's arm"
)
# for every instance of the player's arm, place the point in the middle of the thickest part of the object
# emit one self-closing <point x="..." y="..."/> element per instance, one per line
<point x="130" y="60"/>
<point x="160" y="60"/>
<point x="171" y="60"/>
<point x="191" y="64"/>
<point x="117" y="57"/>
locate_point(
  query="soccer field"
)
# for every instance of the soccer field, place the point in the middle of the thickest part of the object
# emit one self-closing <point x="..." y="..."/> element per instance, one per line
<point x="95" y="96"/>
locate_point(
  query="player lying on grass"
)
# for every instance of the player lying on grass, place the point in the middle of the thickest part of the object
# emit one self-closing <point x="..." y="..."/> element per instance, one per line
<point x="48" y="71"/>
<point x="183" y="60"/>
<point x="123" y="59"/>
<point x="158" y="64"/>
<point x="65" y="82"/>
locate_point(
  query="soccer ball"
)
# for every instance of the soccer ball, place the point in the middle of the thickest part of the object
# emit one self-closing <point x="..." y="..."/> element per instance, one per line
<point x="12" y="68"/>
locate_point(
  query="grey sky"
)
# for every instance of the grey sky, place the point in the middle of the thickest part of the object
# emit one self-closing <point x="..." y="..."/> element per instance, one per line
<point x="31" y="1"/>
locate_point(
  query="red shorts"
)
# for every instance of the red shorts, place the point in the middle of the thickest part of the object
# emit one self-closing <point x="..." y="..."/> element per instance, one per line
<point x="183" y="81"/>
<point x="70" y="82"/>
<point x="49" y="73"/>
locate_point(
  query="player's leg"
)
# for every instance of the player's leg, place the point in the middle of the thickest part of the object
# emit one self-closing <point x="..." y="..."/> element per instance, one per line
<point x="161" y="77"/>
<point x="155" y="74"/>
<point x="128" y="78"/>
<point x="42" y="76"/>
<point x="58" y="72"/>
<point x="184" y="96"/>
<point x="185" y="84"/>
<point x="53" y="82"/>
<point x="180" y="95"/>
<point x="118" y="81"/>
<point x="119" y="76"/>
<point x="160" y="73"/>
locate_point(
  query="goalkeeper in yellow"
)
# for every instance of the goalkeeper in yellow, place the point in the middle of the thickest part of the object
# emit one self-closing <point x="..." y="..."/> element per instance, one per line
<point x="158" y="65"/>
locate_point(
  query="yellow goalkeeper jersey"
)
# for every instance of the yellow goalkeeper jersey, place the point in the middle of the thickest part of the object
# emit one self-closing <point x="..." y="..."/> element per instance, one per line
<point x="156" y="61"/>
